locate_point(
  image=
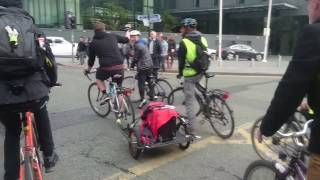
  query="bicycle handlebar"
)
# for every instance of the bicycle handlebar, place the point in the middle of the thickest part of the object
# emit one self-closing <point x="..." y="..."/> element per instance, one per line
<point x="297" y="134"/>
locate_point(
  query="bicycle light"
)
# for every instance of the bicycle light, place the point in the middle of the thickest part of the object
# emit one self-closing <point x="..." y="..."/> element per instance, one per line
<point x="225" y="95"/>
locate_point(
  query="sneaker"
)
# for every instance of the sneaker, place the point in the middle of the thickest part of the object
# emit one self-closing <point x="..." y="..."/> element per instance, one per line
<point x="191" y="132"/>
<point x="103" y="99"/>
<point x="50" y="162"/>
<point x="142" y="103"/>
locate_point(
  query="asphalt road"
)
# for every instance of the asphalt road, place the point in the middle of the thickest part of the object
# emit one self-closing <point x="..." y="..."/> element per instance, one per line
<point x="92" y="148"/>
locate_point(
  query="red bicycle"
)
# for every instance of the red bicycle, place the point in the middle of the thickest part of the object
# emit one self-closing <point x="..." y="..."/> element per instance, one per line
<point x="31" y="166"/>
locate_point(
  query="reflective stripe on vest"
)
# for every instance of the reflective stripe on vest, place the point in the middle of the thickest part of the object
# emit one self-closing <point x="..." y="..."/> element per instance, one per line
<point x="191" y="55"/>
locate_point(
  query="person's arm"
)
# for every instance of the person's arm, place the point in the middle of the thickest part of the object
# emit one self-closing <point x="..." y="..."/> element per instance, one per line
<point x="92" y="56"/>
<point x="182" y="51"/>
<point x="295" y="84"/>
<point x="122" y="39"/>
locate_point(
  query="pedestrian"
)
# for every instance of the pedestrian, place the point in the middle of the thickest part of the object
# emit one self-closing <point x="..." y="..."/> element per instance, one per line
<point x="142" y="59"/>
<point x="300" y="80"/>
<point x="164" y="50"/>
<point x="155" y="51"/>
<point x="186" y="55"/>
<point x="23" y="87"/>
<point x="171" y="51"/>
<point x="82" y="50"/>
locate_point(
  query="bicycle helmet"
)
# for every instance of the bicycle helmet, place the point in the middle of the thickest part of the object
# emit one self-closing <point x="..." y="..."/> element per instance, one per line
<point x="135" y="33"/>
<point x="189" y="22"/>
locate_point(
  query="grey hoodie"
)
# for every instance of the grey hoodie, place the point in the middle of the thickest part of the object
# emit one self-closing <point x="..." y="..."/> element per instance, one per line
<point x="142" y="57"/>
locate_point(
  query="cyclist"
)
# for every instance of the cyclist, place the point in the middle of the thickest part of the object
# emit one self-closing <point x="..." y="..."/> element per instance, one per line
<point x="186" y="54"/>
<point x="15" y="95"/>
<point x="300" y="79"/>
<point x="105" y="46"/>
<point x="143" y="60"/>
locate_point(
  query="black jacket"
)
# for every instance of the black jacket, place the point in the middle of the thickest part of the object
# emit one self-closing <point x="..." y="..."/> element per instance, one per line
<point x="105" y="47"/>
<point x="182" y="51"/>
<point x="301" y="78"/>
<point x="156" y="55"/>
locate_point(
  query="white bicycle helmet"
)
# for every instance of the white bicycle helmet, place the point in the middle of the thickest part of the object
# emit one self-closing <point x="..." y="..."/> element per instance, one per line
<point x="135" y="33"/>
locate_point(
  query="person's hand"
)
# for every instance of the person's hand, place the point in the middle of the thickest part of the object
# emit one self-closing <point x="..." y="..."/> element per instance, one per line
<point x="259" y="136"/>
<point x="179" y="76"/>
<point x="304" y="106"/>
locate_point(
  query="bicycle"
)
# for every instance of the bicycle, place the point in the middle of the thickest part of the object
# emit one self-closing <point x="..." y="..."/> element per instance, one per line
<point x="212" y="104"/>
<point x="296" y="169"/>
<point x="161" y="88"/>
<point x="117" y="101"/>
<point x="271" y="146"/>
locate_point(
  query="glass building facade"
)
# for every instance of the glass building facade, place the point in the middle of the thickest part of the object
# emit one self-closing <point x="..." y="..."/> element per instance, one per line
<point x="50" y="13"/>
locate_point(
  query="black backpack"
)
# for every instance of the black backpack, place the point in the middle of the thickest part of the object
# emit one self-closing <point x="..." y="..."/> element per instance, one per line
<point x="202" y="61"/>
<point x="18" y="46"/>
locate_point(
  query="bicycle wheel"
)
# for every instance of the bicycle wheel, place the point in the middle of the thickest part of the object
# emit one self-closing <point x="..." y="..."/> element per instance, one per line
<point x="28" y="169"/>
<point x="94" y="96"/>
<point x="162" y="89"/>
<point x="177" y="99"/>
<point x="270" y="147"/>
<point x="221" y="117"/>
<point x="134" y="143"/>
<point x="261" y="170"/>
<point x="181" y="128"/>
<point x="126" y="111"/>
<point x="131" y="82"/>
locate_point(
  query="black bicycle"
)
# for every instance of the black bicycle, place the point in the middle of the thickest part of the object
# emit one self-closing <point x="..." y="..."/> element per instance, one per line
<point x="212" y="104"/>
<point x="161" y="87"/>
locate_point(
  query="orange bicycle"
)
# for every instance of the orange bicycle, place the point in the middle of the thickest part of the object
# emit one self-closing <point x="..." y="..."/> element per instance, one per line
<point x="31" y="166"/>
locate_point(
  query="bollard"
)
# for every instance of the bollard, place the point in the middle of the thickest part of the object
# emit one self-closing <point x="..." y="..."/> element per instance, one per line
<point x="252" y="62"/>
<point x="279" y="61"/>
<point x="237" y="58"/>
<point x="214" y="57"/>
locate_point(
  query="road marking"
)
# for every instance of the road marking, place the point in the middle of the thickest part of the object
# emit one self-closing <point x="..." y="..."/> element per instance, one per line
<point x="177" y="154"/>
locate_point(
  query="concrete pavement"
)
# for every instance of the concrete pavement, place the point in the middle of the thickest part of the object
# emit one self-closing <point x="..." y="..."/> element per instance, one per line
<point x="273" y="67"/>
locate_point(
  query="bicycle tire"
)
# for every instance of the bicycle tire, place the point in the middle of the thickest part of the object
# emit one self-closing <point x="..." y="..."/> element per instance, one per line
<point x="177" y="99"/>
<point x="182" y="128"/>
<point x="271" y="146"/>
<point x="221" y="117"/>
<point x="128" y="111"/>
<point x="256" y="165"/>
<point x="96" y="95"/>
<point x="28" y="169"/>
<point x="134" y="143"/>
<point x="131" y="83"/>
<point x="164" y="87"/>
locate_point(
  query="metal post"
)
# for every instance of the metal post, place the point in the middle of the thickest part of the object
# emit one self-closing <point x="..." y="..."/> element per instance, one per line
<point x="134" y="13"/>
<point x="279" y="61"/>
<point x="267" y="33"/>
<point x="252" y="62"/>
<point x="72" y="41"/>
<point x="220" y="31"/>
<point x="237" y="58"/>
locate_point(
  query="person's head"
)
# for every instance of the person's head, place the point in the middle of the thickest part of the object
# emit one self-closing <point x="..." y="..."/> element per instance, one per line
<point x="160" y="36"/>
<point x="100" y="27"/>
<point x="134" y="36"/>
<point x="313" y="10"/>
<point x="188" y="25"/>
<point x="81" y="39"/>
<point x="153" y="35"/>
<point x="11" y="3"/>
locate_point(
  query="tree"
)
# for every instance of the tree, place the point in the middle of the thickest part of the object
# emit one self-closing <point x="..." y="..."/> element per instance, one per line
<point x="168" y="21"/>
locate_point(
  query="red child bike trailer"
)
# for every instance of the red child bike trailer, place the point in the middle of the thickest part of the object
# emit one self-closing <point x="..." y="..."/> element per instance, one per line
<point x="161" y="125"/>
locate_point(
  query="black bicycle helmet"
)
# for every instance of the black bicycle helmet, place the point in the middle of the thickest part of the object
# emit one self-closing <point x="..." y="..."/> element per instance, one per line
<point x="189" y="22"/>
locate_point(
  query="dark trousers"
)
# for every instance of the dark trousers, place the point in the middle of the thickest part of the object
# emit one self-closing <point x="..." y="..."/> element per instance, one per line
<point x="12" y="124"/>
<point x="143" y="77"/>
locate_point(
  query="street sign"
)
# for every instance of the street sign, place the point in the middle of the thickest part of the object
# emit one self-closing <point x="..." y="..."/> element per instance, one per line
<point x="153" y="18"/>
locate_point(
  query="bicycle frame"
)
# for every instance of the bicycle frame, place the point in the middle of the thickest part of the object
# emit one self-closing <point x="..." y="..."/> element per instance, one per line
<point x="296" y="166"/>
<point x="29" y="148"/>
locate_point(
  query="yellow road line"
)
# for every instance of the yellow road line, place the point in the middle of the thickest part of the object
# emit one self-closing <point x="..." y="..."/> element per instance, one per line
<point x="176" y="154"/>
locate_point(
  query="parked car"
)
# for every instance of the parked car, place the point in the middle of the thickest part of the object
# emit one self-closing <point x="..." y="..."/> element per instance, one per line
<point x="61" y="47"/>
<point x="243" y="51"/>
